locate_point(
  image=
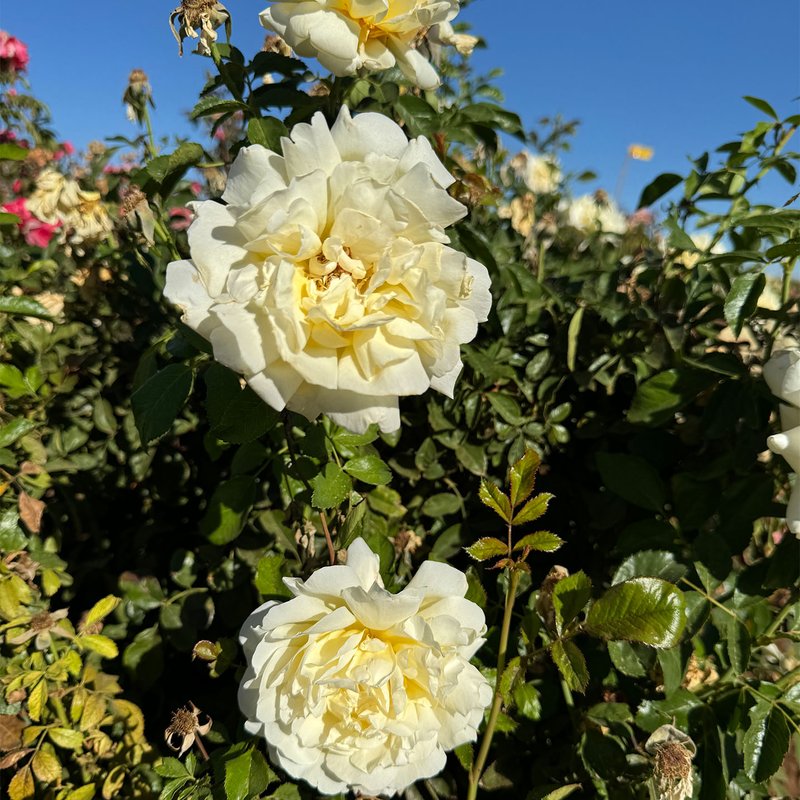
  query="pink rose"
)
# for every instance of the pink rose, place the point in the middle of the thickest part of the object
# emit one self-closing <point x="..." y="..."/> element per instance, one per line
<point x="35" y="232"/>
<point x="13" y="53"/>
<point x="180" y="218"/>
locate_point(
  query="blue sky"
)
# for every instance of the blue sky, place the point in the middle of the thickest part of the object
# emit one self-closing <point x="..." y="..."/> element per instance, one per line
<point x="667" y="74"/>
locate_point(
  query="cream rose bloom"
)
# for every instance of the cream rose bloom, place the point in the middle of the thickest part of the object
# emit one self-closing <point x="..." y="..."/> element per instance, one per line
<point x="702" y="241"/>
<point x="356" y="688"/>
<point x="782" y="374"/>
<point x="326" y="280"/>
<point x="589" y="215"/>
<point x="540" y="173"/>
<point x="346" y="36"/>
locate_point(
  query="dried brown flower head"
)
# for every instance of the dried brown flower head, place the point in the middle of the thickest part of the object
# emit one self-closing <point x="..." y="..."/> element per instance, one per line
<point x="672" y="752"/>
<point x="187" y="724"/>
<point x="205" y="15"/>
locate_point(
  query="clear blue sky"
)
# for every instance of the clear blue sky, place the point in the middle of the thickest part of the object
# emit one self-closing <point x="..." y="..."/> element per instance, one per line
<point x="669" y="74"/>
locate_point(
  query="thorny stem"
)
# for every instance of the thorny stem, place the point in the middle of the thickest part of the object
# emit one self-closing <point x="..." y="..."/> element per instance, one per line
<point x="480" y="761"/>
<point x="779" y="619"/>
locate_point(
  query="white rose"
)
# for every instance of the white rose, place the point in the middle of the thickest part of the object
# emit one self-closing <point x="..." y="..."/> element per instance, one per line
<point x="361" y="34"/>
<point x="702" y="242"/>
<point x="782" y="374"/>
<point x="326" y="280"/>
<point x="589" y="215"/>
<point x="540" y="173"/>
<point x="356" y="688"/>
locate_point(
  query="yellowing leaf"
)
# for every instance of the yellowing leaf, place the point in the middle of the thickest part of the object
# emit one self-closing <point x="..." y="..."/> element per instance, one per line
<point x="21" y="786"/>
<point x="83" y="793"/>
<point x="66" y="738"/>
<point x="94" y="710"/>
<point x="101" y="609"/>
<point x="37" y="699"/>
<point x="46" y="767"/>
<point x="100" y="644"/>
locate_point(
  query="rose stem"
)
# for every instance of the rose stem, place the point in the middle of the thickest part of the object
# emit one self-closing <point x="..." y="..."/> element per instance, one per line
<point x="480" y="761"/>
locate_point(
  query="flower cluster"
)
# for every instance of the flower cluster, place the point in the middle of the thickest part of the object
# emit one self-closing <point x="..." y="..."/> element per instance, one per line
<point x="356" y="688"/>
<point x="13" y="54"/>
<point x="365" y="35"/>
<point x="326" y="280"/>
<point x="592" y="214"/>
<point x="782" y="374"/>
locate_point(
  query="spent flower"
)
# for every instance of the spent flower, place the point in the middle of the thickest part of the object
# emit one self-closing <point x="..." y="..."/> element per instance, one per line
<point x="356" y="688"/>
<point x="203" y="15"/>
<point x="327" y="280"/>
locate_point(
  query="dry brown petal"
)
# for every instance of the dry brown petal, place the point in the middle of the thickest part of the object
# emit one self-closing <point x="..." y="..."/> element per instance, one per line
<point x="29" y="468"/>
<point x="12" y="758"/>
<point x="30" y="512"/>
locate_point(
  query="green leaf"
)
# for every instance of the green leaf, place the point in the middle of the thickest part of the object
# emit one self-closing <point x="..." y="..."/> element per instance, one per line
<point x="23" y="306"/>
<point x="158" y="400"/>
<point x="528" y="701"/>
<point x="522" y="477"/>
<point x="487" y="548"/>
<point x="369" y="469"/>
<point x="228" y="509"/>
<point x="507" y="408"/>
<point x="236" y="414"/>
<point x="493" y="497"/>
<point x="247" y="774"/>
<point x="738" y="640"/>
<point x="658" y="398"/>
<point x="171" y="768"/>
<point x="7" y="218"/>
<point x="12" y="152"/>
<point x="650" y="564"/>
<point x="331" y="487"/>
<point x="765" y="742"/>
<point x="573" y="333"/>
<point x="633" y="479"/>
<point x="646" y="610"/>
<point x="543" y="541"/>
<point x="269" y="576"/>
<point x="631" y="659"/>
<point x="571" y="664"/>
<point x="212" y="104"/>
<point x="761" y="105"/>
<point x="353" y="524"/>
<point x="465" y="753"/>
<point x="533" y="509"/>
<point x="266" y="131"/>
<point x="441" y="505"/>
<point x="658" y="188"/>
<point x="742" y="299"/>
<point x="570" y="595"/>
<point x="16" y="429"/>
<point x="562" y="792"/>
<point x="678" y="238"/>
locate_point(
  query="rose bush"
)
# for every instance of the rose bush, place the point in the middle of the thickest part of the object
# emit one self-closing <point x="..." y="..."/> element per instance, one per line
<point x="326" y="280"/>
<point x="356" y="688"/>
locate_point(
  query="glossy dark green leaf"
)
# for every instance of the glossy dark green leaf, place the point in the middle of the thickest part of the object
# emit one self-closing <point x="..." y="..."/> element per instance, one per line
<point x="658" y="398"/>
<point x="742" y="299"/>
<point x="369" y="469"/>
<point x="247" y="773"/>
<point x="331" y="487"/>
<point x="646" y="610"/>
<point x="16" y="429"/>
<point x="765" y="742"/>
<point x="157" y="402"/>
<point x="761" y="105"/>
<point x="266" y="131"/>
